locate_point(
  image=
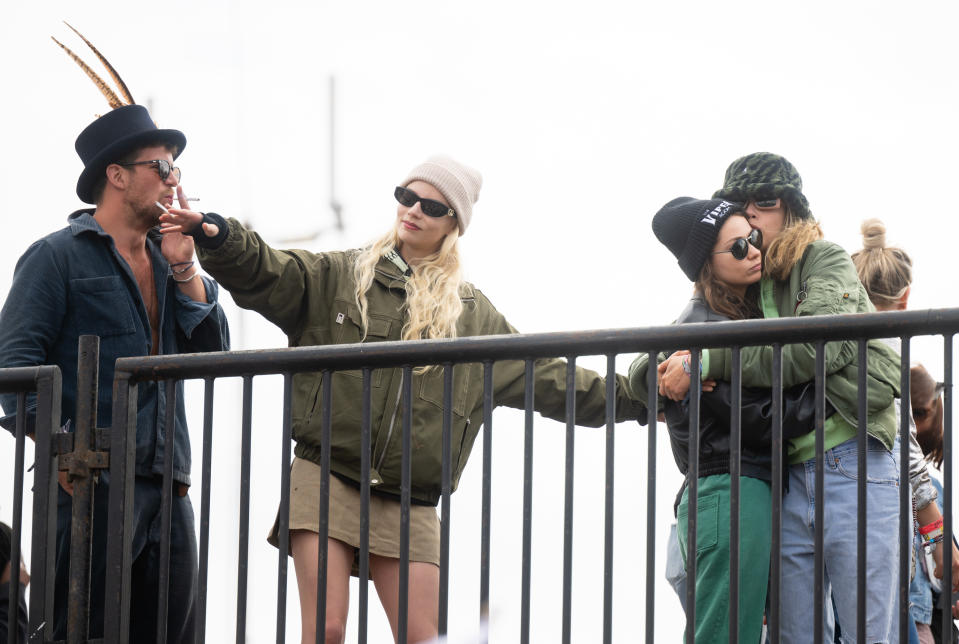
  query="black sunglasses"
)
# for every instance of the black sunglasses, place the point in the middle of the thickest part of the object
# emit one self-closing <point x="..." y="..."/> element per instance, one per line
<point x="430" y="207"/>
<point x="163" y="167"/>
<point x="740" y="247"/>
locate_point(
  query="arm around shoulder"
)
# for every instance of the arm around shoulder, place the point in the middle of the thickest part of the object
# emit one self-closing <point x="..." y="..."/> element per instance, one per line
<point x="823" y="282"/>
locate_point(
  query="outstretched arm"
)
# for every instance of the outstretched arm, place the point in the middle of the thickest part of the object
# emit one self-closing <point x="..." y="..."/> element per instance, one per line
<point x="269" y="281"/>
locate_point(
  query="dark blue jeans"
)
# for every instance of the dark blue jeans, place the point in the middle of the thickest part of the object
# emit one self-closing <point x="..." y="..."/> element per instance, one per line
<point x="145" y="573"/>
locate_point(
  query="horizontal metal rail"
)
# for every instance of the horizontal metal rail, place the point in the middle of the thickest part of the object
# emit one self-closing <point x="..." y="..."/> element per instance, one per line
<point x="487" y="350"/>
<point x="374" y="355"/>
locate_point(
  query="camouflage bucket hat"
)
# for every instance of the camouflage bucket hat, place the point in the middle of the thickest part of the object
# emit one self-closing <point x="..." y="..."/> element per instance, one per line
<point x="764" y="175"/>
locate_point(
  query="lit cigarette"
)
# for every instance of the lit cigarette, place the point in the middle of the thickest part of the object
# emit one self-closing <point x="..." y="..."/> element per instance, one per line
<point x="162" y="207"/>
<point x="192" y="198"/>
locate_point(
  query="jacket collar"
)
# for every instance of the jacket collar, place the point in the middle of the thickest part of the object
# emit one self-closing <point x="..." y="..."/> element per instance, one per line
<point x="82" y="221"/>
<point x="698" y="311"/>
<point x="388" y="274"/>
<point x="394" y="256"/>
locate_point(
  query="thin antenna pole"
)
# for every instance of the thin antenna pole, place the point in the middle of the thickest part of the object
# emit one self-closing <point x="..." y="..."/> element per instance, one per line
<point x="335" y="205"/>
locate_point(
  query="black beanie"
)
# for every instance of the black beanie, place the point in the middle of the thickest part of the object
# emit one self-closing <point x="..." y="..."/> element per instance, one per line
<point x="6" y="545"/>
<point x="688" y="228"/>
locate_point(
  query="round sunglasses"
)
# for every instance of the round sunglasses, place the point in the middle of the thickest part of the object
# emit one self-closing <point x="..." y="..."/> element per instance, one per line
<point x="163" y="167"/>
<point x="430" y="207"/>
<point x="740" y="247"/>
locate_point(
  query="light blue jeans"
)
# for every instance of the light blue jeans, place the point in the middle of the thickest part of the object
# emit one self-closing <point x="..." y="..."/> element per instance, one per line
<point x="840" y="535"/>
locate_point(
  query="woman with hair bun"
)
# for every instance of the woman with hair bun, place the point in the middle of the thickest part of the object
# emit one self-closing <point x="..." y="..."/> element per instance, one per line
<point x="886" y="272"/>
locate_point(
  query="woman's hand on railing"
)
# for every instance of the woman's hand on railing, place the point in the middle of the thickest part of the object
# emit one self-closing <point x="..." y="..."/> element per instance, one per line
<point x="674" y="378"/>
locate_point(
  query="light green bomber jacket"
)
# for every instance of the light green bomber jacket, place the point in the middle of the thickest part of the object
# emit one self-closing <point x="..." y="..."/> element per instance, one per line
<point x="823" y="282"/>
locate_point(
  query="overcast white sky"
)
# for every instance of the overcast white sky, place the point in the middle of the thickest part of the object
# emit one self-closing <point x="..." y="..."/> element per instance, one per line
<point x="584" y="118"/>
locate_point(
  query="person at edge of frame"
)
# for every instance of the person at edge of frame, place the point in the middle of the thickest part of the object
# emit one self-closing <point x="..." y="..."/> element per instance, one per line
<point x="407" y="285"/>
<point x="803" y="274"/>
<point x="8" y="571"/>
<point x="720" y="253"/>
<point x="886" y="272"/>
<point x="110" y="274"/>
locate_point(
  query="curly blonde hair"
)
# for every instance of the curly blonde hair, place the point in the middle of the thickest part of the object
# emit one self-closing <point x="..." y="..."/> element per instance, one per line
<point x="433" y="303"/>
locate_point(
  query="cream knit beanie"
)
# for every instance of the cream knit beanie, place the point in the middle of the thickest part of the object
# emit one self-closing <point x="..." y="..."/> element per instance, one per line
<point x="459" y="185"/>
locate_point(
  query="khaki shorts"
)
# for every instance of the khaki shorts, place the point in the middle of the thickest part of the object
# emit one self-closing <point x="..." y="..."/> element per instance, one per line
<point x="345" y="517"/>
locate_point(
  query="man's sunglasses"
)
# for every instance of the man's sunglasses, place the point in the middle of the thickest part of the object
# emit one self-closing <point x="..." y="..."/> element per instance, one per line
<point x="163" y="167"/>
<point x="430" y="207"/>
<point x="740" y="247"/>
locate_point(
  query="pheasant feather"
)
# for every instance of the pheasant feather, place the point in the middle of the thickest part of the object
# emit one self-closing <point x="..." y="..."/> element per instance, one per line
<point x="110" y="95"/>
<point x="113" y="73"/>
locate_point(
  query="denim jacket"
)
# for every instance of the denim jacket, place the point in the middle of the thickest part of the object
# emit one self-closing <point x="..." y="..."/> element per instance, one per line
<point x="74" y="282"/>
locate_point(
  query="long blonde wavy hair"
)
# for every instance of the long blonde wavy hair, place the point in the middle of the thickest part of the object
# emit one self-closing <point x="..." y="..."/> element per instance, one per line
<point x="787" y="249"/>
<point x="433" y="301"/>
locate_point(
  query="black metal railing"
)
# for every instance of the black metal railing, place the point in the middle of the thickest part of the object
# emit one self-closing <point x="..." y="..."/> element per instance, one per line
<point x="45" y="383"/>
<point x="487" y="351"/>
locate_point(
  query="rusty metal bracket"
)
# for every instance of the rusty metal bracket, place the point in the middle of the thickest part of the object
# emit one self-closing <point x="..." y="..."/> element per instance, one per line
<point x="79" y="463"/>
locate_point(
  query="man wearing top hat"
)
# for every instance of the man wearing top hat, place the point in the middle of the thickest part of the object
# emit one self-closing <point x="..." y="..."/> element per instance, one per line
<point x="108" y="274"/>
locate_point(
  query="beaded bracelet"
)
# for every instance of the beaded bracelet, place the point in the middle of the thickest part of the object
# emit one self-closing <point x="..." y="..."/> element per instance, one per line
<point x="932" y="542"/>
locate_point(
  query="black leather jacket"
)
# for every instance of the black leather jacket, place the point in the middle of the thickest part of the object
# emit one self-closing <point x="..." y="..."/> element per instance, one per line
<point x="756" y="420"/>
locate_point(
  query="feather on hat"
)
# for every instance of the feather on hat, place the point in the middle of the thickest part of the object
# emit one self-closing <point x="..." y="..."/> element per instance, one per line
<point x="111" y="136"/>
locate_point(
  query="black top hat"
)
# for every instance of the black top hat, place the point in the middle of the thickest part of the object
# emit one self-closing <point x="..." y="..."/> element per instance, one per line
<point x="113" y="135"/>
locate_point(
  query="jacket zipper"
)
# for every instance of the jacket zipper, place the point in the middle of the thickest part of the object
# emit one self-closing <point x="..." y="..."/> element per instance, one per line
<point x="389" y="431"/>
<point x="801" y="296"/>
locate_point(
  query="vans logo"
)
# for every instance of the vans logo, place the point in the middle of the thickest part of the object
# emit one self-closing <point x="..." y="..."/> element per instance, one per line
<point x="717" y="213"/>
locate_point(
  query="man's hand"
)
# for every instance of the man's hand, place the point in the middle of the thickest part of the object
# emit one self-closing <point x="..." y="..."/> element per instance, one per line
<point x="181" y="221"/>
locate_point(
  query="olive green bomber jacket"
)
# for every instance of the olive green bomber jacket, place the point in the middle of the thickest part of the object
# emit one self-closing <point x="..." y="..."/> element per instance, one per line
<point x="311" y="298"/>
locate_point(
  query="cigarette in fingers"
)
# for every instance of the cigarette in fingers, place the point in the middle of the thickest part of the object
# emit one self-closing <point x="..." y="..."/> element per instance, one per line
<point x="162" y="207"/>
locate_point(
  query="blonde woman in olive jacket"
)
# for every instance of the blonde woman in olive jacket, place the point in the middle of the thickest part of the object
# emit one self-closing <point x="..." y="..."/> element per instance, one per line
<point x="405" y="286"/>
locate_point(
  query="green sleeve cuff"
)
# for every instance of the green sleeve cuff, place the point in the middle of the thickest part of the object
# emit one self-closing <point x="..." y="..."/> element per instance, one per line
<point x="704" y="364"/>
